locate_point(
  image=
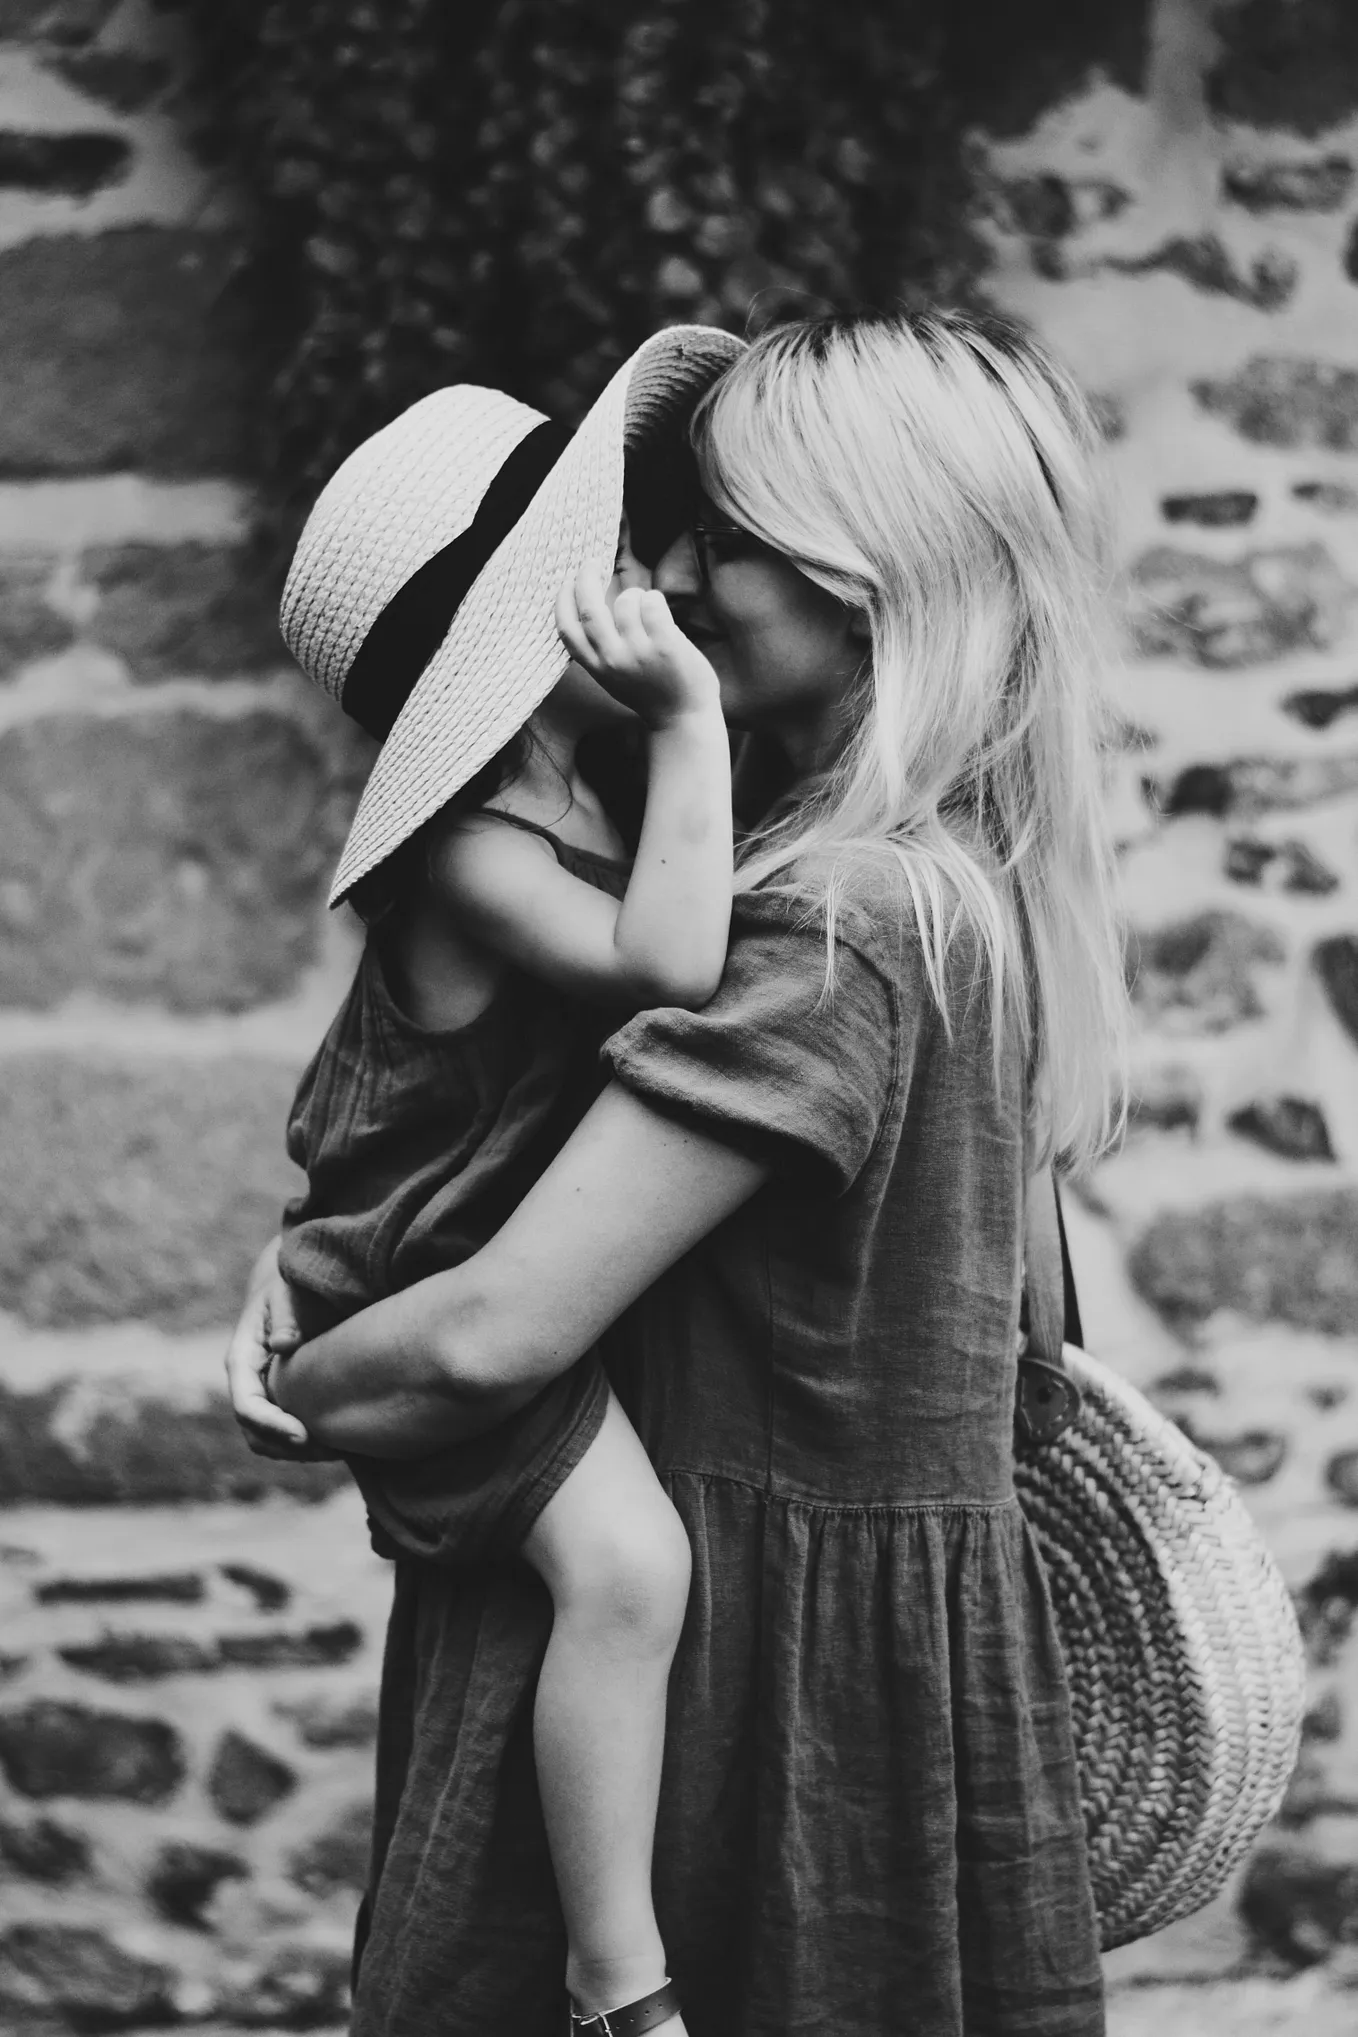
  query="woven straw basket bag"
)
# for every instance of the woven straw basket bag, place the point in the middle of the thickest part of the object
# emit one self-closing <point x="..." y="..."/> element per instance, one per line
<point x="1181" y="1644"/>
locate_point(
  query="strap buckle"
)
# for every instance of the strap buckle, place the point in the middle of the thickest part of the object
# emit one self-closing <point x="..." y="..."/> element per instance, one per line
<point x="1046" y="1403"/>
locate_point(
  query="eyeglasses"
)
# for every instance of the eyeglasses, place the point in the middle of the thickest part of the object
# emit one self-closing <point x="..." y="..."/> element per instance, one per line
<point x="721" y="544"/>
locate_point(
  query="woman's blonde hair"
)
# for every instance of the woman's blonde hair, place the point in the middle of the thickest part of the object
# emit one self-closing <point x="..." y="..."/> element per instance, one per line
<point x="935" y="472"/>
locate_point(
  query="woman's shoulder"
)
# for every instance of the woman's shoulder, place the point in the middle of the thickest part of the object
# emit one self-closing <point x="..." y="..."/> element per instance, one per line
<point x="864" y="905"/>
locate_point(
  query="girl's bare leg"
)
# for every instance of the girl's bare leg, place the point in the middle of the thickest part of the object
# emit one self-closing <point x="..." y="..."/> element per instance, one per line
<point x="613" y="1553"/>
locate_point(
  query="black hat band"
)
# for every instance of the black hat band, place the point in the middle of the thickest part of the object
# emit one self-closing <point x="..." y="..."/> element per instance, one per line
<point x="408" y="631"/>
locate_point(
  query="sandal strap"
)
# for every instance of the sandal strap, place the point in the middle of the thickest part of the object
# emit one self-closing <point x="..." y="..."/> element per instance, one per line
<point x="633" y="2020"/>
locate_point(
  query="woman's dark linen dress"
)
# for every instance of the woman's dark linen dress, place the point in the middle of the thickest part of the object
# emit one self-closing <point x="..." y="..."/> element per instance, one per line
<point x="870" y="1818"/>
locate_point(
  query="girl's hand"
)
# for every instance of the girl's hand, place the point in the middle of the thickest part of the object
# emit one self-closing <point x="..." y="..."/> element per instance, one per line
<point x="636" y="651"/>
<point x="267" y="1330"/>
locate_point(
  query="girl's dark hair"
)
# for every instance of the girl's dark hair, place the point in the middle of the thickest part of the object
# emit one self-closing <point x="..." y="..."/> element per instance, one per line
<point x="405" y="869"/>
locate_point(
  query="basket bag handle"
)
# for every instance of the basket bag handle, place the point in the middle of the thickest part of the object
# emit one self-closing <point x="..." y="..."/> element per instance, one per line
<point x="1047" y="1399"/>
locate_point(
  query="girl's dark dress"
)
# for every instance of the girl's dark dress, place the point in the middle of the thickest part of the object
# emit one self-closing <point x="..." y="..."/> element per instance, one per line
<point x="870" y="1818"/>
<point x="417" y="1144"/>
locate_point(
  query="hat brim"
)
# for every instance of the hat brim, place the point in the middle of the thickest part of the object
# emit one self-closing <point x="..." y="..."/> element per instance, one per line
<point x="502" y="654"/>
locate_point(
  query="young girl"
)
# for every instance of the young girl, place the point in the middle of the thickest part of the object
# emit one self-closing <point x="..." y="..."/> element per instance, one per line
<point x="506" y="935"/>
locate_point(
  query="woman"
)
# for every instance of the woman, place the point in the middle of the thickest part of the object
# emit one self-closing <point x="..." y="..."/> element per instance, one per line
<point x="812" y="1192"/>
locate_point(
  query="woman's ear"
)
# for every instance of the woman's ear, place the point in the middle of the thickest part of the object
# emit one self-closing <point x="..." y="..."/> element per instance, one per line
<point x="860" y="625"/>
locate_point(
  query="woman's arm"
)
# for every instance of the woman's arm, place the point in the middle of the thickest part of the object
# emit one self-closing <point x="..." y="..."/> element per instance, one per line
<point x="450" y="1357"/>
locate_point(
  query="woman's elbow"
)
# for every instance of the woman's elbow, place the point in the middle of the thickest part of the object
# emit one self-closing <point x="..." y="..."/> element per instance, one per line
<point x="674" y="986"/>
<point x="481" y="1365"/>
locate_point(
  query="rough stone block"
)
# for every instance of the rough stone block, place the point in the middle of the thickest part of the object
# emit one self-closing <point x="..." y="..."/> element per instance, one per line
<point x="184" y="1878"/>
<point x="127" y="1447"/>
<point x="1251" y="1458"/>
<point x="1268" y="1258"/>
<point x="1318" y="706"/>
<point x="1188" y="1378"/>
<point x="1247" y="611"/>
<point x="323" y="1722"/>
<point x="1254" y="785"/>
<point x="1336" y="964"/>
<point x="304" y="1648"/>
<point x="178" y="1587"/>
<point x="55" y="1750"/>
<point x="1311" y="1794"/>
<point x="1301" y="184"/>
<point x="1199" y="975"/>
<point x="175" y="856"/>
<point x="68" y="165"/>
<point x="1297" y="1904"/>
<point x="1267" y="284"/>
<point x="1293" y="67"/>
<point x="141" y="1190"/>
<point x="193" y="608"/>
<point x="246" y="1782"/>
<point x="1247" y="859"/>
<point x="44" y="1850"/>
<point x="1326" y="1606"/>
<point x="1324" y="1720"/>
<point x="29" y="628"/>
<point x="1289" y="866"/>
<point x="336" y="1858"/>
<point x="80" y="1975"/>
<point x="1287" y="1125"/>
<point x="269" y="1593"/>
<point x="1334" y="498"/>
<point x="1341" y="1476"/>
<point x="123" y="79"/>
<point x="140" y="1658"/>
<point x="1223" y="509"/>
<point x="293" y="1987"/>
<point x="1049" y="207"/>
<point x="1286" y="400"/>
<point x="1166" y="1100"/>
<point x="1304" y="872"/>
<point x="123" y="351"/>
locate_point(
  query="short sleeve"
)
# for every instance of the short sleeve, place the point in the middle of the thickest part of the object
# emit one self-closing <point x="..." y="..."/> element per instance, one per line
<point x="772" y="1066"/>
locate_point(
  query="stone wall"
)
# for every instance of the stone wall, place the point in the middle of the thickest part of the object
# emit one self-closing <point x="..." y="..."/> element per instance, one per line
<point x="1183" y="227"/>
<point x="189" y="1639"/>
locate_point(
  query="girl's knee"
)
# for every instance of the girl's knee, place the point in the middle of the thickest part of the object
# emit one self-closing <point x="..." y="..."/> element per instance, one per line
<point x="629" y="1580"/>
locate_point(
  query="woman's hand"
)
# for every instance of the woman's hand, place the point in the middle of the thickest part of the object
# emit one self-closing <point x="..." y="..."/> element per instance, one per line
<point x="267" y="1330"/>
<point x="635" y="649"/>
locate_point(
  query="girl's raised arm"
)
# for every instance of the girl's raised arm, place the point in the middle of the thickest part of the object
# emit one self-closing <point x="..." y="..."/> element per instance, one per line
<point x="665" y="943"/>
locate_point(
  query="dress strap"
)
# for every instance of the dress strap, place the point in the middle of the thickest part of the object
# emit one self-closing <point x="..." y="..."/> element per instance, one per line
<point x="527" y="827"/>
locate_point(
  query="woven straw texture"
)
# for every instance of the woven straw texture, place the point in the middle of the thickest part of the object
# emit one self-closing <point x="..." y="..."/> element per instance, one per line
<point x="1181" y="1645"/>
<point x="409" y="490"/>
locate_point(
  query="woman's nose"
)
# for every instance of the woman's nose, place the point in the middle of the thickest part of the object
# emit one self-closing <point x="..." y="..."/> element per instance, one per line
<point x="676" y="570"/>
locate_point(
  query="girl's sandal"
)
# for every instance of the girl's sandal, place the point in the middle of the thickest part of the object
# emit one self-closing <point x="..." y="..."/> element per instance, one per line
<point x="647" y="2014"/>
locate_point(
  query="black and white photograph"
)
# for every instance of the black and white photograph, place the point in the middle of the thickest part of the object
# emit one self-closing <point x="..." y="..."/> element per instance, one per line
<point x="679" y="1018"/>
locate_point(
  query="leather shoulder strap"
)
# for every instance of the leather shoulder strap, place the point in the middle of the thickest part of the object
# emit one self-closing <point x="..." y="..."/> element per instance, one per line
<point x="1044" y="1277"/>
<point x="1047" y="1399"/>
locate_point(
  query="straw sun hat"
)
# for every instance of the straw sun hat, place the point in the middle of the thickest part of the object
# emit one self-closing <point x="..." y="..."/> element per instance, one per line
<point x="422" y="591"/>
